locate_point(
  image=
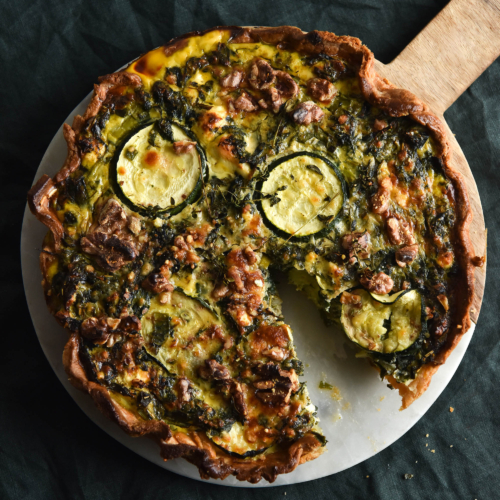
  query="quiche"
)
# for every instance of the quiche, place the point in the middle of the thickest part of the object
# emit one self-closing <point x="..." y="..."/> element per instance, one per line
<point x="197" y="172"/>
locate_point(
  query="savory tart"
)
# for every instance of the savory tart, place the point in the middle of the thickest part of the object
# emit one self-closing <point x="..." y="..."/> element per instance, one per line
<point x="197" y="171"/>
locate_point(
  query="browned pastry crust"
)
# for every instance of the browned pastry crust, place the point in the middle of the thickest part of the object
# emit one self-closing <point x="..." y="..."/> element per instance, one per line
<point x="194" y="446"/>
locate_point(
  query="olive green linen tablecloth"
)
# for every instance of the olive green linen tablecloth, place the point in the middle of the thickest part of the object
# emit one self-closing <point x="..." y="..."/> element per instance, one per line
<point x="51" y="53"/>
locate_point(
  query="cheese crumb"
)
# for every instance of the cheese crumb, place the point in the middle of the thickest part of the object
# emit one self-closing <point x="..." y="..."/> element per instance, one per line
<point x="452" y="409"/>
<point x="433" y="451"/>
<point x="427" y="435"/>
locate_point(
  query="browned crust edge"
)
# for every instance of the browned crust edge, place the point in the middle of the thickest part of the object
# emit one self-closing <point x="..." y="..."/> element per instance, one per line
<point x="196" y="448"/>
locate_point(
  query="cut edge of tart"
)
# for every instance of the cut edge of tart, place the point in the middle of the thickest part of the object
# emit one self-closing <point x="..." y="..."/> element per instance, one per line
<point x="213" y="457"/>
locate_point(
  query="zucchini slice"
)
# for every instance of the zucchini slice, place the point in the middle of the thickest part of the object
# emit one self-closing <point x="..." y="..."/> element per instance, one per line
<point x="303" y="193"/>
<point x="382" y="327"/>
<point x="152" y="178"/>
<point x="173" y="333"/>
<point x="235" y="443"/>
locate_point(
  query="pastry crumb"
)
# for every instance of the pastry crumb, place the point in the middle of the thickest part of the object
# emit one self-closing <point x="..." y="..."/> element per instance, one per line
<point x="427" y="435"/>
<point x="433" y="451"/>
<point x="336" y="396"/>
<point x="408" y="476"/>
<point x="452" y="409"/>
<point x="451" y="446"/>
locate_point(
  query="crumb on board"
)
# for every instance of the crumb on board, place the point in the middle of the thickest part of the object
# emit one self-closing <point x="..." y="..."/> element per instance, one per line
<point x="426" y="444"/>
<point x="325" y="385"/>
<point x="433" y="451"/>
<point x="408" y="476"/>
<point x="451" y="446"/>
<point x="367" y="477"/>
<point x="452" y="409"/>
<point x="382" y="398"/>
<point x="427" y="435"/>
<point x="336" y="396"/>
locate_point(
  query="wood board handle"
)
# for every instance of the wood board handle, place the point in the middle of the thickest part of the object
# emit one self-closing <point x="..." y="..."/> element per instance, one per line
<point x="450" y="53"/>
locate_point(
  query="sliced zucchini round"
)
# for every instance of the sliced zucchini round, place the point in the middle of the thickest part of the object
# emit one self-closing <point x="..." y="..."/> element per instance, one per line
<point x="171" y="332"/>
<point x="382" y="327"/>
<point x="303" y="193"/>
<point x="235" y="443"/>
<point x="151" y="177"/>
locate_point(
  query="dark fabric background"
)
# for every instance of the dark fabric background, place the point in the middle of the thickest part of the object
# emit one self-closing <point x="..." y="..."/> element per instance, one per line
<point x="51" y="53"/>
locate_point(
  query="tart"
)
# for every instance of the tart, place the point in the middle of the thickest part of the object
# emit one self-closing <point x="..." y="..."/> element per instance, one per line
<point x="194" y="174"/>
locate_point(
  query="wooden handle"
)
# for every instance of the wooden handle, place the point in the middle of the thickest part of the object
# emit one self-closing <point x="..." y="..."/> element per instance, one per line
<point x="449" y="54"/>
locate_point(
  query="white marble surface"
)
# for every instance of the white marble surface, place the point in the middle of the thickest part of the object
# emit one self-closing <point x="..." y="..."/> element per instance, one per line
<point x="363" y="420"/>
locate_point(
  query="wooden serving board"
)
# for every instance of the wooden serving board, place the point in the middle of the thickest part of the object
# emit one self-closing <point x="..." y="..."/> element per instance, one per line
<point x="438" y="66"/>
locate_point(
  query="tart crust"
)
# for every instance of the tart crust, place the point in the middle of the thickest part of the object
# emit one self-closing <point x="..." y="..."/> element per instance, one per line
<point x="193" y="446"/>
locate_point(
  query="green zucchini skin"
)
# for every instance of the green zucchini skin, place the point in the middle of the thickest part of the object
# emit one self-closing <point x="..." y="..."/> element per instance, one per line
<point x="283" y="234"/>
<point x="154" y="212"/>
<point x="395" y="297"/>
